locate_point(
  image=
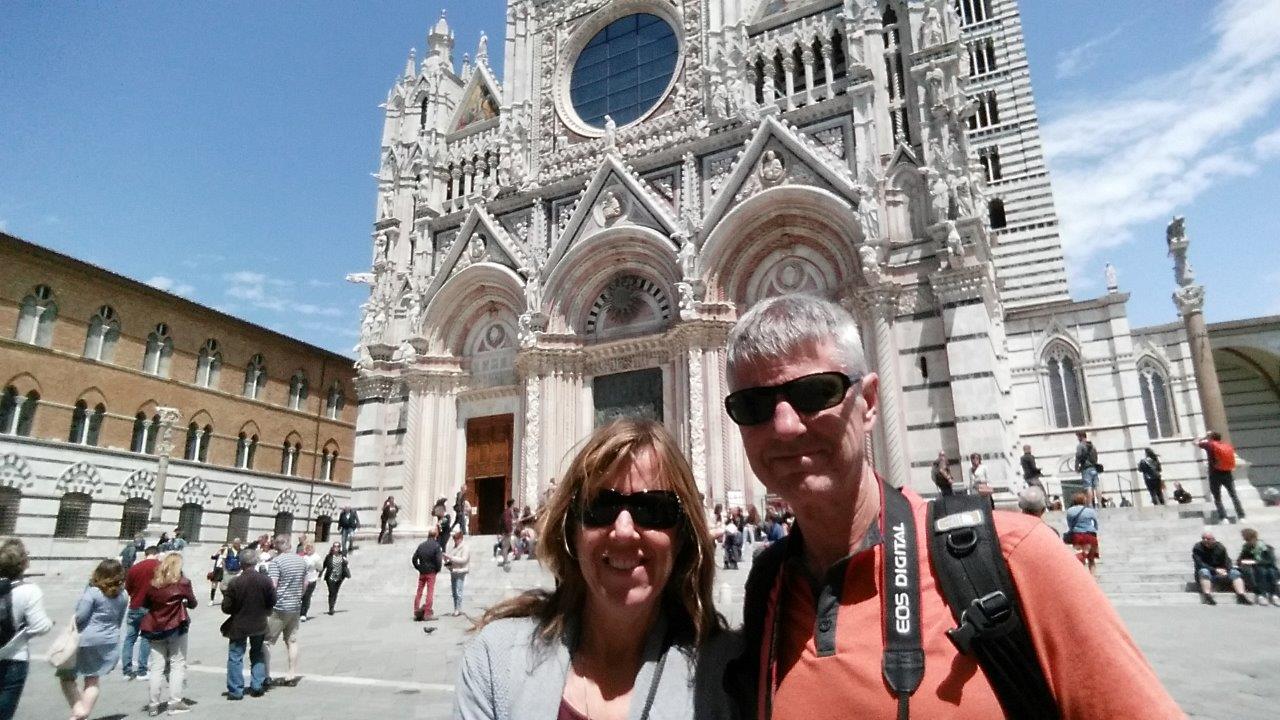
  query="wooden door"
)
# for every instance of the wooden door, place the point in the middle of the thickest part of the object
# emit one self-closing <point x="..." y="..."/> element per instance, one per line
<point x="490" y="444"/>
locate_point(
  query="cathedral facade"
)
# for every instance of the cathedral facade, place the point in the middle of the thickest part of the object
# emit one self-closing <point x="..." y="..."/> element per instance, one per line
<point x="572" y="242"/>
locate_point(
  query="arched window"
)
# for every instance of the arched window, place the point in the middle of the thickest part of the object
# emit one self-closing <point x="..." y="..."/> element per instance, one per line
<point x="1156" y="403"/>
<point x="37" y="316"/>
<point x="189" y="519"/>
<point x="995" y="209"/>
<point x="1066" y="387"/>
<point x="255" y="377"/>
<point x="284" y="523"/>
<point x="159" y="351"/>
<point x="104" y="332"/>
<point x="238" y="524"/>
<point x="17" y="413"/>
<point x="328" y="461"/>
<point x="73" y="516"/>
<point x="137" y="513"/>
<point x="973" y="11"/>
<point x="334" y="402"/>
<point x="297" y="390"/>
<point x="198" y="442"/>
<point x="246" y="448"/>
<point x="289" y="458"/>
<point x="839" y="65"/>
<point x="145" y="430"/>
<point x="209" y="364"/>
<point x="85" y="425"/>
<point x="324" y="524"/>
<point x="10" y="498"/>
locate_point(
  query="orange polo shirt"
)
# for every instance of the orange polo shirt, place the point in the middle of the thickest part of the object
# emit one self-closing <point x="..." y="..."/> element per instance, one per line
<point x="1091" y="662"/>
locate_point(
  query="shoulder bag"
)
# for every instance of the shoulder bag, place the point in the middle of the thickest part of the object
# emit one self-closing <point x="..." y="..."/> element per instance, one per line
<point x="62" y="653"/>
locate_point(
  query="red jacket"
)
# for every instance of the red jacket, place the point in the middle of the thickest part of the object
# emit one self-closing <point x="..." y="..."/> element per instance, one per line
<point x="167" y="606"/>
<point x="138" y="580"/>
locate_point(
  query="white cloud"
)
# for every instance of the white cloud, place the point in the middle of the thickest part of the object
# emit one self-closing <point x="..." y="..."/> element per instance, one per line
<point x="1138" y="156"/>
<point x="167" y="284"/>
<point x="1074" y="61"/>
<point x="274" y="294"/>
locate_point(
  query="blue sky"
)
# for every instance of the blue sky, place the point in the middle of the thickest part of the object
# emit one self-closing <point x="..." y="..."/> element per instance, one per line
<point x="223" y="151"/>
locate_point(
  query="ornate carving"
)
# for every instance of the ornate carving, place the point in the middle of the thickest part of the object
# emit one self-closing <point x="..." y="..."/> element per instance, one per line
<point x="325" y="506"/>
<point x="242" y="496"/>
<point x="871" y="270"/>
<point x="532" y="428"/>
<point x="170" y="418"/>
<point x="697" y="420"/>
<point x="81" y="477"/>
<point x="286" y="501"/>
<point x="1189" y="299"/>
<point x="772" y="170"/>
<point x="195" y="490"/>
<point x="14" y="472"/>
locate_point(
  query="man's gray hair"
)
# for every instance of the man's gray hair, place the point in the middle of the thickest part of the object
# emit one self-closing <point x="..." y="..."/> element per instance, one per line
<point x="248" y="558"/>
<point x="775" y="327"/>
<point x="1032" y="500"/>
<point x="281" y="543"/>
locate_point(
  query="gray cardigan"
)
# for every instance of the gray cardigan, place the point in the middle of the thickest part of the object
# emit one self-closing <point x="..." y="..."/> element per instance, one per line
<point x="502" y="676"/>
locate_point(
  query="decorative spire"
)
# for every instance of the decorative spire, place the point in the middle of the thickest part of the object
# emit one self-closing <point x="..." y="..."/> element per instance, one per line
<point x="411" y="65"/>
<point x="482" y="50"/>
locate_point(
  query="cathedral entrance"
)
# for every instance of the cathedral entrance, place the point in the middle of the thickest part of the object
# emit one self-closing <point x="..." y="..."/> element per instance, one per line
<point x="635" y="394"/>
<point x="490" y="442"/>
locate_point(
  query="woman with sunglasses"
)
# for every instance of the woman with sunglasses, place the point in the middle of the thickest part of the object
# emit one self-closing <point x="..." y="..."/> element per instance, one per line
<point x="630" y="630"/>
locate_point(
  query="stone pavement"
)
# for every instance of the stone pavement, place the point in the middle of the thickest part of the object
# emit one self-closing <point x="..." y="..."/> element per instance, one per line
<point x="371" y="661"/>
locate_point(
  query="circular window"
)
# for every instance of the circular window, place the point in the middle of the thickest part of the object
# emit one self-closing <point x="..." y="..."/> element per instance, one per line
<point x="624" y="70"/>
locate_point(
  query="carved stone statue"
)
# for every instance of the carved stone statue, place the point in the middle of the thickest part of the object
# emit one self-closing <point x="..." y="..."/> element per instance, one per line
<point x="610" y="134"/>
<point x="1176" y="238"/>
<point x="533" y="294"/>
<point x="610" y="207"/>
<point x="477" y="249"/>
<point x="772" y="171"/>
<point x="482" y="49"/>
<point x="934" y="79"/>
<point x="1113" y="283"/>
<point x="871" y="270"/>
<point x="868" y="212"/>
<point x="688" y="258"/>
<point x="962" y="191"/>
<point x="688" y="298"/>
<point x="939" y="194"/>
<point x="954" y="247"/>
<point x="932" y="33"/>
<point x="386" y="209"/>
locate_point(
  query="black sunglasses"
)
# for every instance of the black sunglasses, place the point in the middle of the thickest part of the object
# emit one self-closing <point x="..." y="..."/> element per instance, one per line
<point x="807" y="394"/>
<point x="652" y="509"/>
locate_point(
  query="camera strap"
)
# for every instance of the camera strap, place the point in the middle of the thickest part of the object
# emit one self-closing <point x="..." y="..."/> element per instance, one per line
<point x="900" y="590"/>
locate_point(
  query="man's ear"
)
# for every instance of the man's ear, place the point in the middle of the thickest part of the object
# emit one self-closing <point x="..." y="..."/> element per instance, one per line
<point x="871" y="401"/>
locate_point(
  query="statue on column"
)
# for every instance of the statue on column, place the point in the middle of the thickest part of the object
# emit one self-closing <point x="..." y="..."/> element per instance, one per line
<point x="1176" y="238"/>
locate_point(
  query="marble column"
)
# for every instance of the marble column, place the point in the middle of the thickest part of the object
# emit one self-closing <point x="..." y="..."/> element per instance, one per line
<point x="434" y="442"/>
<point x="880" y="304"/>
<point x="554" y="416"/>
<point x="1189" y="300"/>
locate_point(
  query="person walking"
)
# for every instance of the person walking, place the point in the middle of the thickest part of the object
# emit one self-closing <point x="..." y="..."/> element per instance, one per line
<point x="129" y="554"/>
<point x="1222" y="461"/>
<point x="458" y="558"/>
<point x="135" y="583"/>
<point x="99" y="612"/>
<point x="1031" y="472"/>
<point x="165" y="626"/>
<point x="427" y="560"/>
<point x="942" y="474"/>
<point x="334" y="570"/>
<point x="389" y="511"/>
<point x="248" y="600"/>
<point x="313" y="576"/>
<point x="230" y="564"/>
<point x="507" y="543"/>
<point x="460" y="505"/>
<point x="1087" y="465"/>
<point x="217" y="572"/>
<point x="348" y="523"/>
<point x="1082" y="531"/>
<point x="28" y="617"/>
<point x="1149" y="467"/>
<point x="288" y="574"/>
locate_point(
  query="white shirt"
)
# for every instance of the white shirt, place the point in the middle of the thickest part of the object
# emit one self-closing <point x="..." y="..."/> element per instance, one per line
<point x="977" y="476"/>
<point x="314" y="563"/>
<point x="30" y="619"/>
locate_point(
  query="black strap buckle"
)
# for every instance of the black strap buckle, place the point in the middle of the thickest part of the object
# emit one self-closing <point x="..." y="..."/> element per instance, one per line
<point x="983" y="615"/>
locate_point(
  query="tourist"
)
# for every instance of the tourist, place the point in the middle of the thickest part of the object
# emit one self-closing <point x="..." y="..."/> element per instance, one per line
<point x="1222" y="461"/>
<point x="179" y="542"/>
<point x="427" y="560"/>
<point x="1257" y="562"/>
<point x="625" y="538"/>
<point x="314" y="563"/>
<point x="1180" y="494"/>
<point x="137" y="580"/>
<point x="334" y="571"/>
<point x="99" y="612"/>
<point x="732" y="540"/>
<point x="460" y="511"/>
<point x="1031" y="472"/>
<point x="458" y="558"/>
<point x="389" y="512"/>
<point x="165" y="544"/>
<point x="288" y="574"/>
<point x="507" y="541"/>
<point x="249" y="600"/>
<point x="528" y="538"/>
<point x="1149" y="468"/>
<point x="165" y="626"/>
<point x="1213" y="566"/>
<point x="129" y="555"/>
<point x="751" y="529"/>
<point x="815" y="611"/>
<point x="29" y="620"/>
<point x="1087" y="465"/>
<point x="231" y="564"/>
<point x="978" y="479"/>
<point x="444" y="525"/>
<point x="216" y="572"/>
<point x="942" y="474"/>
<point x="1082" y="531"/>
<point x="1031" y="501"/>
<point x="348" y="523"/>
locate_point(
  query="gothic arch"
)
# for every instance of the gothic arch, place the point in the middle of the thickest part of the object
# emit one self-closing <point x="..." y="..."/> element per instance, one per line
<point x="81" y="477"/>
<point x="286" y="501"/>
<point x="466" y="298"/>
<point x="1056" y="332"/>
<point x="779" y="219"/>
<point x="325" y="505"/>
<point x="250" y="428"/>
<point x="201" y="418"/>
<point x="584" y="271"/>
<point x="148" y="408"/>
<point x="92" y="396"/>
<point x="25" y="383"/>
<point x="242" y="496"/>
<point x="194" y="490"/>
<point x="14" y="472"/>
<point x="140" y="484"/>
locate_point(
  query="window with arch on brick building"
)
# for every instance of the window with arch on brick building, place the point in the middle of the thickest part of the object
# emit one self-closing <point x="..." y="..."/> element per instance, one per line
<point x="334" y="402"/>
<point x="17" y="411"/>
<point x="209" y="364"/>
<point x="159" y="354"/>
<point x="238" y="524"/>
<point x="86" y="425"/>
<point x="190" y="515"/>
<point x="297" y="390"/>
<point x="37" y="316"/>
<point x="246" y="448"/>
<point x="103" y="334"/>
<point x="255" y="377"/>
<point x="328" y="461"/>
<point x="198" y="438"/>
<point x="289" y="455"/>
<point x="145" y="430"/>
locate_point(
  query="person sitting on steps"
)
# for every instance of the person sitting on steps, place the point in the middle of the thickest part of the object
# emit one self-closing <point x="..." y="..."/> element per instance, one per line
<point x="1213" y="565"/>
<point x="1257" y="562"/>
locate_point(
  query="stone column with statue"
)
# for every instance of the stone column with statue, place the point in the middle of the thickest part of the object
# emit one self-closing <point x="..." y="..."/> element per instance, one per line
<point x="170" y="418"/>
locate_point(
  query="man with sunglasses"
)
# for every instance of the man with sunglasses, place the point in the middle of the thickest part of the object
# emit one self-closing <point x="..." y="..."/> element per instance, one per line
<point x="821" y="629"/>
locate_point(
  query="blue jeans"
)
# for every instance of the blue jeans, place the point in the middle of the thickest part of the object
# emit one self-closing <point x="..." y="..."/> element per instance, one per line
<point x="13" y="676"/>
<point x="133" y="620"/>
<point x="1089" y="477"/>
<point x="455" y="584"/>
<point x="235" y="665"/>
<point x="346" y="539"/>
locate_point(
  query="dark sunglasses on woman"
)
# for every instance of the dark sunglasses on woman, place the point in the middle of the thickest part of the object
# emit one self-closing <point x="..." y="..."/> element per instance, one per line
<point x="807" y="394"/>
<point x="651" y="509"/>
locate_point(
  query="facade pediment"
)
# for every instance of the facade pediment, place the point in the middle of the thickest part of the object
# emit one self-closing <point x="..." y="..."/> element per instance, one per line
<point x="481" y="238"/>
<point x="480" y="100"/>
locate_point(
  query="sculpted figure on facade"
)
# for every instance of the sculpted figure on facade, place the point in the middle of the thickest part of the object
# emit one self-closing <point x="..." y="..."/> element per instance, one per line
<point x="772" y="171"/>
<point x="954" y="248"/>
<point x="1176" y="238"/>
<point x="871" y="270"/>
<point x="868" y="213"/>
<point x="932" y="34"/>
<point x="939" y="194"/>
<point x="962" y="193"/>
<point x="610" y="207"/>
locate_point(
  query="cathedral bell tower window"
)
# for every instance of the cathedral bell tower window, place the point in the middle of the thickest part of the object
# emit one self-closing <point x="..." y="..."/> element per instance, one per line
<point x="624" y="70"/>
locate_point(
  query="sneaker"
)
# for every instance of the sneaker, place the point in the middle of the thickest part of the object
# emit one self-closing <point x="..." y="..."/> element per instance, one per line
<point x="153" y="711"/>
<point x="144" y="675"/>
<point x="291" y="682"/>
<point x="234" y="697"/>
<point x="302" y="619"/>
<point x="256" y="693"/>
<point x="1242" y="600"/>
<point x="429" y="618"/>
<point x="177" y="708"/>
<point x="1208" y="600"/>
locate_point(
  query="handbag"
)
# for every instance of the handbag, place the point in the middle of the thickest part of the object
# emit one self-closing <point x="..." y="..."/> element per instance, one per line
<point x="62" y="653"/>
<point x="1071" y="527"/>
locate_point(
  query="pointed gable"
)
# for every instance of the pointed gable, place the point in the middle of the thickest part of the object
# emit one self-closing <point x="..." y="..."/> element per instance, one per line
<point x="479" y="100"/>
<point x="810" y="163"/>
<point x="497" y="247"/>
<point x="614" y="195"/>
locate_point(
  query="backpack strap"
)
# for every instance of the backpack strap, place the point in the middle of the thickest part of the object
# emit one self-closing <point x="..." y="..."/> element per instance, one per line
<point x="964" y="550"/>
